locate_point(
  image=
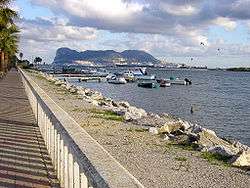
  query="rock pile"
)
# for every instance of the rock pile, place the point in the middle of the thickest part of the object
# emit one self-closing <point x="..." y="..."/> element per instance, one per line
<point x="206" y="140"/>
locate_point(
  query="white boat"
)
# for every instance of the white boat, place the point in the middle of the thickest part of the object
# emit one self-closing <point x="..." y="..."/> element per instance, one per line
<point x="178" y="82"/>
<point x="145" y="77"/>
<point x="113" y="79"/>
<point x="141" y="74"/>
<point x="129" y="76"/>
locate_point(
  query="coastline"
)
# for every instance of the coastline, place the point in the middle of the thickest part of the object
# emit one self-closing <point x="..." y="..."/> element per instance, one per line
<point x="126" y="136"/>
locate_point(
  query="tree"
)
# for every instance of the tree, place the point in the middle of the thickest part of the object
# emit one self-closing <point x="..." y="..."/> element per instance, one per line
<point x="8" y="34"/>
<point x="21" y="56"/>
<point x="38" y="60"/>
<point x="8" y="45"/>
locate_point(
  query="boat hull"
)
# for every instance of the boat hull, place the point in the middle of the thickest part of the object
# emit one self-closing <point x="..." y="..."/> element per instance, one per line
<point x="148" y="85"/>
<point x="144" y="77"/>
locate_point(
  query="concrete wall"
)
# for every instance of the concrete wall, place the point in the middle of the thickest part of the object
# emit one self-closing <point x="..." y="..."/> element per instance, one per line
<point x="79" y="161"/>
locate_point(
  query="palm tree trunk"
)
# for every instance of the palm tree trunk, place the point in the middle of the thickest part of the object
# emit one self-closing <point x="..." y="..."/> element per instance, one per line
<point x="6" y="62"/>
<point x="2" y="62"/>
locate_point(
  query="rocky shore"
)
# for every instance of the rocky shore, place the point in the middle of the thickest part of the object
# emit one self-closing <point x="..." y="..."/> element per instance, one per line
<point x="162" y="128"/>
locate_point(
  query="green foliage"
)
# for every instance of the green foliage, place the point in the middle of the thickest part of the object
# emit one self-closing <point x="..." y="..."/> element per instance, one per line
<point x="106" y="114"/>
<point x="38" y="60"/>
<point x="8" y="34"/>
<point x="215" y="158"/>
<point x="183" y="159"/>
<point x="184" y="146"/>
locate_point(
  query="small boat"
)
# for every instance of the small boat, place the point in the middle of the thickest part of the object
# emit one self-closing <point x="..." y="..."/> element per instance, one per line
<point x="141" y="74"/>
<point x="145" y="77"/>
<point x="164" y="83"/>
<point x="116" y="80"/>
<point x="129" y="76"/>
<point x="178" y="81"/>
<point x="148" y="84"/>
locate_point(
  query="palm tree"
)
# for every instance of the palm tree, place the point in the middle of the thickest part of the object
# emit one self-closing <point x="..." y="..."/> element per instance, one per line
<point x="8" y="33"/>
<point x="8" y="45"/>
<point x="21" y="56"/>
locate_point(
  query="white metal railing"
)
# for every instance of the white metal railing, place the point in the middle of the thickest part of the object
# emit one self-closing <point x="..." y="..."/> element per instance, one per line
<point x="79" y="161"/>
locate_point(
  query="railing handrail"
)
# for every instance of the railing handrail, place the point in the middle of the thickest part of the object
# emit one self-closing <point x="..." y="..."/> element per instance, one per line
<point x="101" y="169"/>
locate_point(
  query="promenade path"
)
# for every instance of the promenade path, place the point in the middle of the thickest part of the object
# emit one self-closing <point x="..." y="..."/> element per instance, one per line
<point x="24" y="160"/>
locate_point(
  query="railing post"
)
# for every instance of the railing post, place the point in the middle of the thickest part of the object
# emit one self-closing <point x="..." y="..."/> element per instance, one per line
<point x="71" y="170"/>
<point x="66" y="167"/>
<point x="52" y="143"/>
<point x="76" y="175"/>
<point x="48" y="136"/>
<point x="43" y="122"/>
<point x="59" y="151"/>
<point x="56" y="151"/>
<point x="61" y="165"/>
<point x="46" y="130"/>
<point x="83" y="180"/>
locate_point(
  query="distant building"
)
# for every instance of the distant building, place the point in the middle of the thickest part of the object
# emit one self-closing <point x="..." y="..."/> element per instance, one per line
<point x="84" y="63"/>
<point x="119" y="61"/>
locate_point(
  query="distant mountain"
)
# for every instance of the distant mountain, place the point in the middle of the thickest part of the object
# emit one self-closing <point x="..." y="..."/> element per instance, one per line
<point x="137" y="55"/>
<point x="67" y="56"/>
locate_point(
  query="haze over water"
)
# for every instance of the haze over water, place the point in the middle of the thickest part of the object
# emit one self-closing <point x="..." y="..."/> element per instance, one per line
<point x="221" y="99"/>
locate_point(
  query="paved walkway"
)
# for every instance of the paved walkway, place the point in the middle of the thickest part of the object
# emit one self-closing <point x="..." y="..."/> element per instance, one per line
<point x="24" y="161"/>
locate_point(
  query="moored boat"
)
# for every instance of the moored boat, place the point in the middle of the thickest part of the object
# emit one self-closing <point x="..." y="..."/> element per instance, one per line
<point x="177" y="81"/>
<point x="145" y="77"/>
<point x="141" y="74"/>
<point x="113" y="79"/>
<point x="129" y="76"/>
<point x="148" y="85"/>
<point x="164" y="83"/>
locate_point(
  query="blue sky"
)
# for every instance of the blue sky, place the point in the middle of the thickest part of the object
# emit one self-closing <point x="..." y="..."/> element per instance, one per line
<point x="170" y="30"/>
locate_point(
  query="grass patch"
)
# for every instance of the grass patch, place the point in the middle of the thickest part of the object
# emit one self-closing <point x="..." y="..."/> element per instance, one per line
<point x="113" y="118"/>
<point x="106" y="114"/>
<point x="38" y="76"/>
<point x="215" y="159"/>
<point x="182" y="159"/>
<point x="184" y="146"/>
<point x="102" y="112"/>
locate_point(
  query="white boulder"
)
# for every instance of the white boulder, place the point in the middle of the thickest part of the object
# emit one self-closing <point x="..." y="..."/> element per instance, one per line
<point x="186" y="125"/>
<point x="170" y="127"/>
<point x="153" y="130"/>
<point x="242" y="159"/>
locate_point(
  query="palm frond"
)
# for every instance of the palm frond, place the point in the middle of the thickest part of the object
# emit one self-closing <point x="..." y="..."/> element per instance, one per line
<point x="7" y="16"/>
<point x="4" y="2"/>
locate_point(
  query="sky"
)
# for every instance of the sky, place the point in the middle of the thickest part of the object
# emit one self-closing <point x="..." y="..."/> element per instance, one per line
<point x="215" y="33"/>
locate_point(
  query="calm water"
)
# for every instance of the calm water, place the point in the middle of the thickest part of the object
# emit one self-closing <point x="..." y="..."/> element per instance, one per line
<point x="221" y="99"/>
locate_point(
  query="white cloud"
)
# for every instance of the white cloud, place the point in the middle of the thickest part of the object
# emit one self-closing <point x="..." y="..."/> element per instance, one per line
<point x="227" y="23"/>
<point x="179" y="10"/>
<point x="42" y="37"/>
<point x="95" y="8"/>
<point x="57" y="30"/>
